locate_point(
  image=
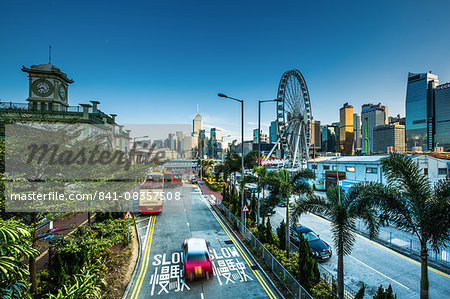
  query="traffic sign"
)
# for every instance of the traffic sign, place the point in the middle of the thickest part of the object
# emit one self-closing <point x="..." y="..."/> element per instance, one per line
<point x="128" y="215"/>
<point x="245" y="209"/>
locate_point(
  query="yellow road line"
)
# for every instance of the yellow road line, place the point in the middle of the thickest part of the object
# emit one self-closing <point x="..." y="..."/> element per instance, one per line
<point x="244" y="256"/>
<point x="247" y="260"/>
<point x="144" y="265"/>
<point x="390" y="250"/>
<point x="71" y="232"/>
<point x="347" y="294"/>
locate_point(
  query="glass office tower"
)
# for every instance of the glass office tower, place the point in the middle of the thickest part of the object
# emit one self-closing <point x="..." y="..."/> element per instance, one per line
<point x="420" y="110"/>
<point x="442" y="116"/>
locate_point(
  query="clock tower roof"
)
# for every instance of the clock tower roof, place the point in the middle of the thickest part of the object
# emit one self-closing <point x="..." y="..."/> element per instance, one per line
<point x="47" y="69"/>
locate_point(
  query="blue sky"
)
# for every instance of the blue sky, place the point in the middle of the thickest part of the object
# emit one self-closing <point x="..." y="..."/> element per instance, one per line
<point x="154" y="61"/>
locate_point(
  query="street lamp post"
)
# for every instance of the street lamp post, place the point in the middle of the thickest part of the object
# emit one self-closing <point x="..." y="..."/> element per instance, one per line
<point x="242" y="148"/>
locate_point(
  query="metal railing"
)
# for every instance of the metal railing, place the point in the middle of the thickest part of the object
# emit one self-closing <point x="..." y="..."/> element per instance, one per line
<point x="411" y="245"/>
<point x="293" y="286"/>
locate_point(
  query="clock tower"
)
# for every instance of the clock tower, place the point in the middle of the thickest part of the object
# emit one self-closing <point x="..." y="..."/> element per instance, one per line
<point x="48" y="88"/>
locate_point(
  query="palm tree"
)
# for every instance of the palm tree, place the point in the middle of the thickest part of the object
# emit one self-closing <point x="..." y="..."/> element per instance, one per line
<point x="413" y="204"/>
<point x="342" y="209"/>
<point x="285" y="192"/>
<point x="15" y="243"/>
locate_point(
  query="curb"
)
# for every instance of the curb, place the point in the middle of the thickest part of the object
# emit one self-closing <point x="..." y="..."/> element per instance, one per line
<point x="136" y="268"/>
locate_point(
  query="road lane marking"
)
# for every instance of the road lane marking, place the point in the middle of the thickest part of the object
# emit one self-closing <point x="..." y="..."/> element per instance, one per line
<point x="140" y="279"/>
<point x="201" y="296"/>
<point x="379" y="272"/>
<point x="389" y="250"/>
<point x="243" y="255"/>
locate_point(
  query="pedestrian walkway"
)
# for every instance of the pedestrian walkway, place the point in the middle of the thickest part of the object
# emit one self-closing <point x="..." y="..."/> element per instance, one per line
<point x="207" y="191"/>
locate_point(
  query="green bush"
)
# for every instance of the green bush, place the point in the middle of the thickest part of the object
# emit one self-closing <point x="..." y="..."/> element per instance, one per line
<point x="87" y="284"/>
<point x="321" y="291"/>
<point x="88" y="245"/>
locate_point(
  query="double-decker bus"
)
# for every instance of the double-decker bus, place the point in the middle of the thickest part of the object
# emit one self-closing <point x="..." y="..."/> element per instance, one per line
<point x="150" y="194"/>
<point x="173" y="180"/>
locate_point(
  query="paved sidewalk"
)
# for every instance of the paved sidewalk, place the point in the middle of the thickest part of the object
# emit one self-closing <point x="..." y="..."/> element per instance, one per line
<point x="207" y="191"/>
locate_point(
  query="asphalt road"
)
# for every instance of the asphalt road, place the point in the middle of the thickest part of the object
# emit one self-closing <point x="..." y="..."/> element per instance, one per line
<point x="374" y="264"/>
<point x="158" y="273"/>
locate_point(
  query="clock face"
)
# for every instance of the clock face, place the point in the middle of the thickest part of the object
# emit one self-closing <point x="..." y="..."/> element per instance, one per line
<point x="42" y="87"/>
<point x="62" y="93"/>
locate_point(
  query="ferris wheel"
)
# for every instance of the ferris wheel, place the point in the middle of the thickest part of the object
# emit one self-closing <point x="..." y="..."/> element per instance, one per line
<point x="293" y="119"/>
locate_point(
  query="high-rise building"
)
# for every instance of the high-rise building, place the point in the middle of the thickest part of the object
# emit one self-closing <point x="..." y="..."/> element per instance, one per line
<point x="346" y="129"/>
<point x="357" y="132"/>
<point x="273" y="133"/>
<point x="264" y="138"/>
<point x="196" y="124"/>
<point x="371" y="117"/>
<point x="172" y="141"/>
<point x="388" y="138"/>
<point x="330" y="137"/>
<point x="420" y="110"/>
<point x="442" y="116"/>
<point x="316" y="136"/>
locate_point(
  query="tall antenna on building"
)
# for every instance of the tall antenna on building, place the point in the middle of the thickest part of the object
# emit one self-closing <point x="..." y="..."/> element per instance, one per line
<point x="49" y="54"/>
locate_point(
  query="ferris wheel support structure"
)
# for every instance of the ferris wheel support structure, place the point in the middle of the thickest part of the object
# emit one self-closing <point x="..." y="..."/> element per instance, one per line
<point x="294" y="117"/>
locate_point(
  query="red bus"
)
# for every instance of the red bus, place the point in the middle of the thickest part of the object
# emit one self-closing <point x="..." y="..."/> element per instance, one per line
<point x="150" y="194"/>
<point x="173" y="180"/>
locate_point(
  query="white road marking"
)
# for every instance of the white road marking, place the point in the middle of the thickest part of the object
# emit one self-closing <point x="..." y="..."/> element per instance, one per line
<point x="146" y="234"/>
<point x="201" y="296"/>
<point x="188" y="223"/>
<point x="379" y="272"/>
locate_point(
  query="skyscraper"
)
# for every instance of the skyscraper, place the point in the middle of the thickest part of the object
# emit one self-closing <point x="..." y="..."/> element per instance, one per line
<point x="420" y="110"/>
<point x="316" y="136"/>
<point x="273" y="135"/>
<point x="388" y="138"/>
<point x="371" y="117"/>
<point x="196" y="124"/>
<point x="442" y="116"/>
<point x="357" y="132"/>
<point x="346" y="129"/>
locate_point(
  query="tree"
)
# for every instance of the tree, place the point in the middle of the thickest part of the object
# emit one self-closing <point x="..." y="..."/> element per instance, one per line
<point x="250" y="160"/>
<point x="281" y="233"/>
<point x="361" y="292"/>
<point x="285" y="192"/>
<point x="341" y="209"/>
<point x="15" y="244"/>
<point x="268" y="232"/>
<point x="413" y="204"/>
<point x="308" y="270"/>
<point x="384" y="293"/>
<point x="285" y="187"/>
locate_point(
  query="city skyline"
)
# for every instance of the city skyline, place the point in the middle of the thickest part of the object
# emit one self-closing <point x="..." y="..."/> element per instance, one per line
<point x="161" y="56"/>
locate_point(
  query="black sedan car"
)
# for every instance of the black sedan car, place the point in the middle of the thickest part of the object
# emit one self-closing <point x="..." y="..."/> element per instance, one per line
<point x="321" y="250"/>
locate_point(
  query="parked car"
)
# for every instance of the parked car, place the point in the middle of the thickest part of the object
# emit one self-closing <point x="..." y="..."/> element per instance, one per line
<point x="272" y="212"/>
<point x="196" y="261"/>
<point x="320" y="249"/>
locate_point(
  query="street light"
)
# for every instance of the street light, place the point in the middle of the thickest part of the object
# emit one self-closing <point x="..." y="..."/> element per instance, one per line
<point x="242" y="148"/>
<point x="259" y="125"/>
